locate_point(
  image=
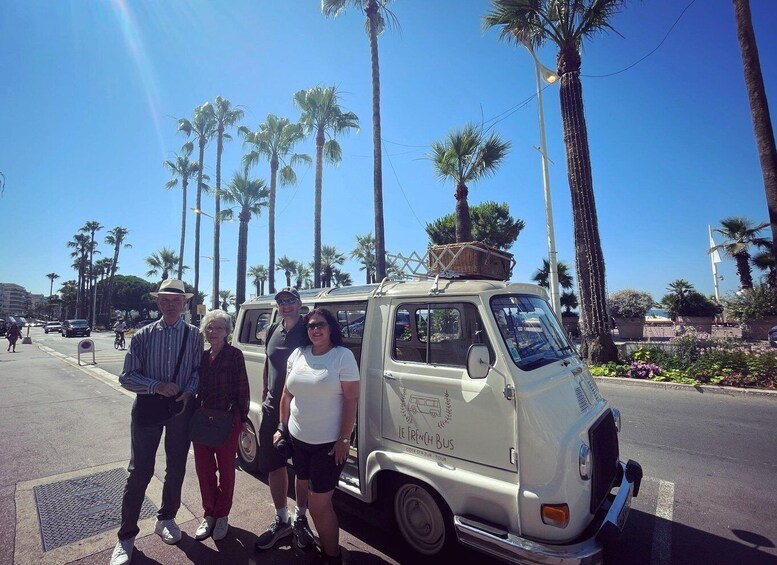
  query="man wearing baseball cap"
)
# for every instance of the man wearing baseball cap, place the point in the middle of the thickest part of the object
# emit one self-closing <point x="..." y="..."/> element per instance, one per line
<point x="162" y="363"/>
<point x="282" y="338"/>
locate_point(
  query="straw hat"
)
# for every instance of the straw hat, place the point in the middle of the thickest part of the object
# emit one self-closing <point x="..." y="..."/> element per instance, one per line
<point x="172" y="287"/>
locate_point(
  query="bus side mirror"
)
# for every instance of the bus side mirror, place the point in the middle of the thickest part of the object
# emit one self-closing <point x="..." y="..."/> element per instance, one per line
<point x="477" y="361"/>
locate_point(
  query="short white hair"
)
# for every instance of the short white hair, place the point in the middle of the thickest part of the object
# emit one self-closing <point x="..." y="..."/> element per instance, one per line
<point x="216" y="315"/>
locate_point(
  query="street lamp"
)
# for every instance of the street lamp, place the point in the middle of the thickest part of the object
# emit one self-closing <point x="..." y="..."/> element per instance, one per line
<point x="545" y="74"/>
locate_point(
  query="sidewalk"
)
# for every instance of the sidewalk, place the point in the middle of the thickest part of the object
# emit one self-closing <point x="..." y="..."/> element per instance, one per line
<point x="64" y="426"/>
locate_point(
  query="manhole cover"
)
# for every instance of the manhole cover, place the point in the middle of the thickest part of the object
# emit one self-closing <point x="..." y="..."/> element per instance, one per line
<point x="79" y="508"/>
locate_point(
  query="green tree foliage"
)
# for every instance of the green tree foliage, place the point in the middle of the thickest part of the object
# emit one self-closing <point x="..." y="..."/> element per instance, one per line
<point x="491" y="223"/>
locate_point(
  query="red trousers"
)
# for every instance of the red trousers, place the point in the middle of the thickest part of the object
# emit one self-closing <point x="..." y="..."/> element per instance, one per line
<point x="217" y="491"/>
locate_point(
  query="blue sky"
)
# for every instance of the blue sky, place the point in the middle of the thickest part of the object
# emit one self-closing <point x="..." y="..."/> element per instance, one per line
<point x="91" y="92"/>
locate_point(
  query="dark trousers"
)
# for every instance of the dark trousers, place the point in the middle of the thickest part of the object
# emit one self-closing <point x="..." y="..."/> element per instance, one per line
<point x="209" y="461"/>
<point x="145" y="442"/>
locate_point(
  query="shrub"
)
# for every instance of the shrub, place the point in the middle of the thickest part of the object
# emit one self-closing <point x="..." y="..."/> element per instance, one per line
<point x="752" y="304"/>
<point x="629" y="303"/>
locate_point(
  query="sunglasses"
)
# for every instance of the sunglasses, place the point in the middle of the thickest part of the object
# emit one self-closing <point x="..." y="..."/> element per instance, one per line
<point x="317" y="326"/>
<point x="285" y="301"/>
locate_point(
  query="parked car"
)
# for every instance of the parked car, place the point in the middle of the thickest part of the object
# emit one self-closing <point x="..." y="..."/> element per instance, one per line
<point x="773" y="336"/>
<point x="140" y="323"/>
<point x="72" y="328"/>
<point x="53" y="327"/>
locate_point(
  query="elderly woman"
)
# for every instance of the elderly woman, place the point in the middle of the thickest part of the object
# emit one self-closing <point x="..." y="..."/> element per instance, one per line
<point x="223" y="386"/>
<point x="317" y="413"/>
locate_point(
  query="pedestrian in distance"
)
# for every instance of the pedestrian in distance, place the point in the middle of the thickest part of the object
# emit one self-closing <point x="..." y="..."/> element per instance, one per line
<point x="119" y="328"/>
<point x="162" y="361"/>
<point x="281" y="340"/>
<point x="14" y="333"/>
<point x="223" y="386"/>
<point x="318" y="413"/>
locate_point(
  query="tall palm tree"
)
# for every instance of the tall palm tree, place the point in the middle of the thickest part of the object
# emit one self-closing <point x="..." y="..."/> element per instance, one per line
<point x="759" y="108"/>
<point x="288" y="266"/>
<point x="259" y="275"/>
<point x="542" y="276"/>
<point x="227" y="299"/>
<point x="91" y="228"/>
<point x="340" y="278"/>
<point x="184" y="169"/>
<point x="567" y="24"/>
<point x="203" y="127"/>
<point x="322" y="116"/>
<point x="465" y="156"/>
<point x="365" y="253"/>
<point x="764" y="261"/>
<point x="163" y="261"/>
<point x="302" y="275"/>
<point x="115" y="238"/>
<point x="330" y="259"/>
<point x="80" y="246"/>
<point x="250" y="195"/>
<point x="739" y="234"/>
<point x="51" y="277"/>
<point x="224" y="116"/>
<point x="378" y="17"/>
<point x="274" y="140"/>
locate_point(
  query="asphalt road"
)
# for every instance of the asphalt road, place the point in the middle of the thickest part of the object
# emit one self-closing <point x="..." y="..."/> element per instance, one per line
<point x="710" y="463"/>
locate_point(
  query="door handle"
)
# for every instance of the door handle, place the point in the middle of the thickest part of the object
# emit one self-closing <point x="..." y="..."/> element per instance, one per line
<point x="389" y="376"/>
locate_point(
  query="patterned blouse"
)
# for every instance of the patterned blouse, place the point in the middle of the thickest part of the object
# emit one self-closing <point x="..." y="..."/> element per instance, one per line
<point x="224" y="380"/>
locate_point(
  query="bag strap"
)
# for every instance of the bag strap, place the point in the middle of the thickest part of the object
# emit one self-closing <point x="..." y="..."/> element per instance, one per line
<point x="216" y="395"/>
<point x="183" y="348"/>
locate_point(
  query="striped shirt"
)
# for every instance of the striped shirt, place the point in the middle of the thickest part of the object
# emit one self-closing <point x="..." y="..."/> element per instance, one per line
<point x="153" y="354"/>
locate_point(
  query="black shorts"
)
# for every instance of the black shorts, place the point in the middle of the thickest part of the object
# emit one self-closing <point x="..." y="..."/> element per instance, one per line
<point x="269" y="457"/>
<point x="313" y="463"/>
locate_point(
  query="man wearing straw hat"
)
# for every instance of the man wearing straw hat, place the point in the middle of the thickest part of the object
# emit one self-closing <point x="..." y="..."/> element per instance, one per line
<point x="161" y="367"/>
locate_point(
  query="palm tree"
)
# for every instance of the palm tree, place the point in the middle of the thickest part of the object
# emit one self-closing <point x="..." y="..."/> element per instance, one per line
<point x="115" y="238"/>
<point x="679" y="290"/>
<point x="224" y="116"/>
<point x="341" y="278"/>
<point x="184" y="169"/>
<point x="740" y="233"/>
<point x="80" y="245"/>
<point x="378" y="16"/>
<point x="259" y="275"/>
<point x="163" y="261"/>
<point x="275" y="140"/>
<point x="764" y="261"/>
<point x="567" y="24"/>
<point x="365" y="253"/>
<point x="542" y="276"/>
<point x="288" y="266"/>
<point x="465" y="156"/>
<point x="330" y="259"/>
<point x="91" y="227"/>
<point x="302" y="274"/>
<point x="322" y="115"/>
<point x="568" y="301"/>
<point x="250" y="195"/>
<point x="203" y="127"/>
<point x="759" y="108"/>
<point x="227" y="299"/>
<point x="51" y="277"/>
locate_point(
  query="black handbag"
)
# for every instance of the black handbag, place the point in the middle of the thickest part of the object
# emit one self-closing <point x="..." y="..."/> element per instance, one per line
<point x="210" y="426"/>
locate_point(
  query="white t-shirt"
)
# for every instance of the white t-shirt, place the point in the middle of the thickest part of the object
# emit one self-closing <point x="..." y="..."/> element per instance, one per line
<point x="314" y="380"/>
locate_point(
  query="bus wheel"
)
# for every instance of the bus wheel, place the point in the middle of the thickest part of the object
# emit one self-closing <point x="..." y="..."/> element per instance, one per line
<point x="422" y="517"/>
<point x="248" y="448"/>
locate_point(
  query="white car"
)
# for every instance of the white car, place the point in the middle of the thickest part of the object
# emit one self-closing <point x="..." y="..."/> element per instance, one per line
<point x="55" y="327"/>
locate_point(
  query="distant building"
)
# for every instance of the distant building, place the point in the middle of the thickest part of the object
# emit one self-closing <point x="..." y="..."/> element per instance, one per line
<point x="14" y="300"/>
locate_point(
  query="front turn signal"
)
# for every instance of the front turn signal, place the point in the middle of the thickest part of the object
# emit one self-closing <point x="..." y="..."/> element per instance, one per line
<point x="555" y="515"/>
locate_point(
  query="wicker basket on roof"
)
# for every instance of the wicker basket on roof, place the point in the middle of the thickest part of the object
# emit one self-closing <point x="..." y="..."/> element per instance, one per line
<point x="471" y="259"/>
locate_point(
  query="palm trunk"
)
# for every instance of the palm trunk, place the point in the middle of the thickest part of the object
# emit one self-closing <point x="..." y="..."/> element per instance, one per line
<point x="759" y="108"/>
<point x="317" y="210"/>
<point x="597" y="346"/>
<point x="193" y="304"/>
<point x="463" y="221"/>
<point x="271" y="205"/>
<point x="377" y="154"/>
<point x="744" y="271"/>
<point x="242" y="258"/>
<point x="216" y="222"/>
<point x="184" y="186"/>
<point x="109" y="292"/>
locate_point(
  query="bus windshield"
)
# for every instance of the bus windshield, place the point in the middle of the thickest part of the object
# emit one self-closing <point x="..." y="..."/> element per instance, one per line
<point x="530" y="330"/>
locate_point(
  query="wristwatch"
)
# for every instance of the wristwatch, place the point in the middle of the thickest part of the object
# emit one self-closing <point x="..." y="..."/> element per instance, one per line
<point x="344" y="439"/>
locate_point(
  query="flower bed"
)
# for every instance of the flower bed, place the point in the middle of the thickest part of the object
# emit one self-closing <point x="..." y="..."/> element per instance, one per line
<point x="698" y="358"/>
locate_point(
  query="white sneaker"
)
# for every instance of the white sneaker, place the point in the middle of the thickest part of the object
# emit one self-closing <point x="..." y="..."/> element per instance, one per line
<point x="205" y="528"/>
<point x="168" y="530"/>
<point x="122" y="553"/>
<point x="221" y="528"/>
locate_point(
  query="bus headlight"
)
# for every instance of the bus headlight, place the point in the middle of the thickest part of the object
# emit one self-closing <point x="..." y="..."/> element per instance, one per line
<point x="584" y="462"/>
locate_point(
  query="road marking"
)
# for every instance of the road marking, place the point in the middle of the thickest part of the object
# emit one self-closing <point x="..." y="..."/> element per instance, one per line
<point x="661" y="552"/>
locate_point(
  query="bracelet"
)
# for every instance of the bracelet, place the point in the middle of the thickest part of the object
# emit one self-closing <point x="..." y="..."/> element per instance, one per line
<point x="283" y="429"/>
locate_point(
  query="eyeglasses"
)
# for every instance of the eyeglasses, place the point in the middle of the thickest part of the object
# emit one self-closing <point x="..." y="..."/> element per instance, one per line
<point x="285" y="301"/>
<point x="317" y="325"/>
<point x="214" y="328"/>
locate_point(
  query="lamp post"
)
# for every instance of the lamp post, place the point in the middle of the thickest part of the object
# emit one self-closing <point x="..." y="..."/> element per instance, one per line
<point x="544" y="73"/>
<point x="221" y="217"/>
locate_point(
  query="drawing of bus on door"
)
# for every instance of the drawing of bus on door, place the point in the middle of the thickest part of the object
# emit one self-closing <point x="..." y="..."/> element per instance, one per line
<point x="425" y="405"/>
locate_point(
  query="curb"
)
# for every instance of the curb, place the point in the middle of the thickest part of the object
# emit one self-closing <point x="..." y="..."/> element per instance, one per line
<point x="712" y="389"/>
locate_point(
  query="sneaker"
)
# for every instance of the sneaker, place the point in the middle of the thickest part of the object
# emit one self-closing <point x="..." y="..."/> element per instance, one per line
<point x="221" y="528"/>
<point x="122" y="553"/>
<point x="276" y="531"/>
<point x="303" y="537"/>
<point x="206" y="527"/>
<point x="168" y="530"/>
<point x="324" y="559"/>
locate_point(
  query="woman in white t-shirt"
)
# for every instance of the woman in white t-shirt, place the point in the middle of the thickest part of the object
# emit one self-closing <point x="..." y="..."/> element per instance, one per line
<point x="317" y="414"/>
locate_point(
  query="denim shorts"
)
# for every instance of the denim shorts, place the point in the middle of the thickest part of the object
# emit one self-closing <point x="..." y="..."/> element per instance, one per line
<point x="313" y="463"/>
